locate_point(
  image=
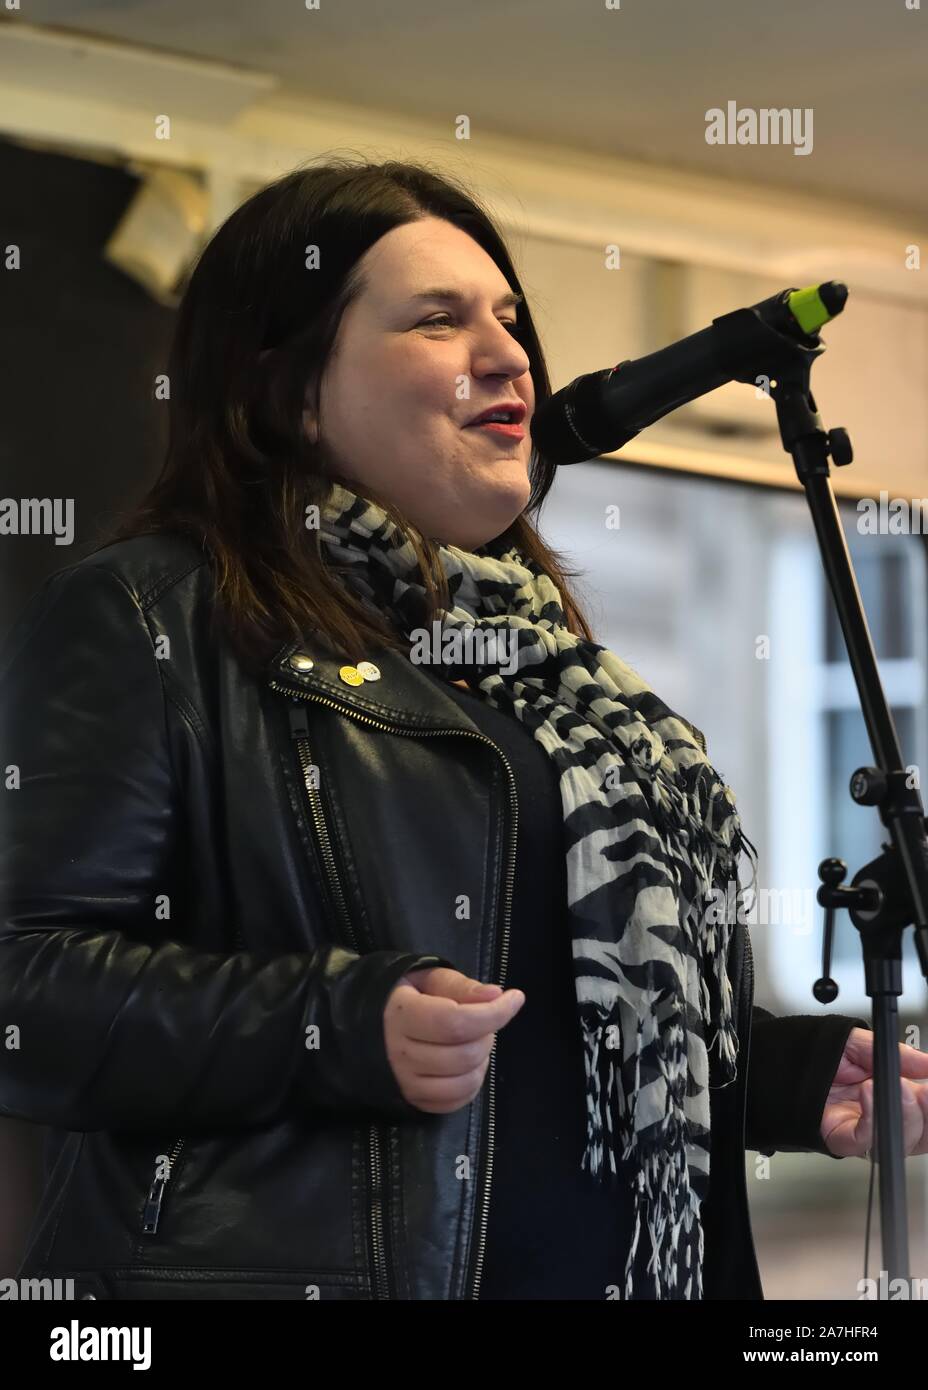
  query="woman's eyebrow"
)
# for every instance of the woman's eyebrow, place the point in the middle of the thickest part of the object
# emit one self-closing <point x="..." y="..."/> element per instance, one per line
<point x="457" y="297"/>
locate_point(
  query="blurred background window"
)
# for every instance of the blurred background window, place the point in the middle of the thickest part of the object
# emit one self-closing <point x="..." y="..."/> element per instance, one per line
<point x="714" y="592"/>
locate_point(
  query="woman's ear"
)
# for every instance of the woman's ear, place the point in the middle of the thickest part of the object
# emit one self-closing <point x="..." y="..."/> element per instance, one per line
<point x="310" y="426"/>
<point x="310" y="419"/>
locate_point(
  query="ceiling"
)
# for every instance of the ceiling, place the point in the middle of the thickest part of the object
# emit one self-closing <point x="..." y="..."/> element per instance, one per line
<point x="634" y="81"/>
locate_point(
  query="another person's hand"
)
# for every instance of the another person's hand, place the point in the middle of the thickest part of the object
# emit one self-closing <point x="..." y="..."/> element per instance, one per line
<point x="439" y="1027"/>
<point x="847" y="1120"/>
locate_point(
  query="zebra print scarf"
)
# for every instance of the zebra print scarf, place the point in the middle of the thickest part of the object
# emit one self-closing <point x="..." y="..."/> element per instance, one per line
<point x="652" y="840"/>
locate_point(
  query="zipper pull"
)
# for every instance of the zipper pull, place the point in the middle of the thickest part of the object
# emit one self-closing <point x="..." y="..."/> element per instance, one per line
<point x="299" y="724"/>
<point x="153" y="1207"/>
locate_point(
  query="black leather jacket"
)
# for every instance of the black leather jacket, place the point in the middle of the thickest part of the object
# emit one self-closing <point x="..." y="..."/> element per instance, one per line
<point x="200" y="935"/>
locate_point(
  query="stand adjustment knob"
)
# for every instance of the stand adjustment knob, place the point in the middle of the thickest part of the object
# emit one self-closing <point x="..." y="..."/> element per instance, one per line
<point x="831" y="872"/>
<point x="839" y="446"/>
<point x="868" y="786"/>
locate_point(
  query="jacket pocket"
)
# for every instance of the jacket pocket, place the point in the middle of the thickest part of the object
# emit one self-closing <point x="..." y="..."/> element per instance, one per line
<point x="207" y="1283"/>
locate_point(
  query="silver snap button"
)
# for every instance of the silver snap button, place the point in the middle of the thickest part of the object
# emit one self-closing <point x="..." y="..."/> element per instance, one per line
<point x="299" y="661"/>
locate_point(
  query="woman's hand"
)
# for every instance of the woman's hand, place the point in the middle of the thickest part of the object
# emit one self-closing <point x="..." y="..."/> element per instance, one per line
<point x="439" y="1027"/>
<point x="847" y="1120"/>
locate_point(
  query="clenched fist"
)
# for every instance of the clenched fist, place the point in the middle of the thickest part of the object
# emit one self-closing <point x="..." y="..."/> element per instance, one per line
<point x="439" y="1027"/>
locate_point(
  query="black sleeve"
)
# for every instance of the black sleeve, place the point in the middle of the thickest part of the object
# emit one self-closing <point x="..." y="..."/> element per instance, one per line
<point x="104" y="1030"/>
<point x="792" y="1064"/>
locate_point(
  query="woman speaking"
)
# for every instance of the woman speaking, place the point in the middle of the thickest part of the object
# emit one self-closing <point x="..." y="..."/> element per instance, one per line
<point x="362" y="932"/>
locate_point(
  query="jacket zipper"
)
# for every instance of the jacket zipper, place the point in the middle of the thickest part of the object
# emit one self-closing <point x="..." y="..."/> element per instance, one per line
<point x="299" y="729"/>
<point x="747" y="996"/>
<point x="151" y="1213"/>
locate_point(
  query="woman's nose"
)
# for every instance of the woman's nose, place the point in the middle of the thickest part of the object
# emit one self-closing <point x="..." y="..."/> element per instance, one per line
<point x="498" y="352"/>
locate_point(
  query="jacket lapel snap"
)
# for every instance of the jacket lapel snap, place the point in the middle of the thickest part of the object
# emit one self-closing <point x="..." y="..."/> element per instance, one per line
<point x="400" y="693"/>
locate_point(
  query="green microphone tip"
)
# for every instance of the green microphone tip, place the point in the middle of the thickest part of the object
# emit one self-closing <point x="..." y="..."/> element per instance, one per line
<point x="815" y="305"/>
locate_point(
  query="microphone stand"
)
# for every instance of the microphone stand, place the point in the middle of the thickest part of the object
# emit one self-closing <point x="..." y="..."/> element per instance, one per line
<point x="891" y="892"/>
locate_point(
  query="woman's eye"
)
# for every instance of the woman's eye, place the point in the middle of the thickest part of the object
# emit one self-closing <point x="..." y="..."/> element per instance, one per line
<point x="443" y="320"/>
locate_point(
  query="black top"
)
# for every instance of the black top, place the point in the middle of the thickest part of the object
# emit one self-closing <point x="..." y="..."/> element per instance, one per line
<point x="554" y="1231"/>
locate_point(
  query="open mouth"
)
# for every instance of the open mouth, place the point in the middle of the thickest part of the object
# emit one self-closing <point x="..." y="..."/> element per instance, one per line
<point x="504" y="420"/>
<point x="499" y="427"/>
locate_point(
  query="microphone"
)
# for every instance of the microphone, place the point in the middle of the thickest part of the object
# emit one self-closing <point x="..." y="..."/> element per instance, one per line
<point x="603" y="410"/>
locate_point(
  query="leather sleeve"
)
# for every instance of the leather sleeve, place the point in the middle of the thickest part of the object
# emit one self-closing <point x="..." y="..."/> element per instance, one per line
<point x="113" y="1031"/>
<point x="792" y="1064"/>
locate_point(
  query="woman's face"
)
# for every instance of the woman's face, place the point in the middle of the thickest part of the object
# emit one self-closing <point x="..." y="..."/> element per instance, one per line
<point x="407" y="374"/>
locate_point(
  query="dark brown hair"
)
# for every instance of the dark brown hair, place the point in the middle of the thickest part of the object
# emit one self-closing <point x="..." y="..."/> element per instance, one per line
<point x="253" y="331"/>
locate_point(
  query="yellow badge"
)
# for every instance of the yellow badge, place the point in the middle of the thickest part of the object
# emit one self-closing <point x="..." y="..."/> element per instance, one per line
<point x="351" y="675"/>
